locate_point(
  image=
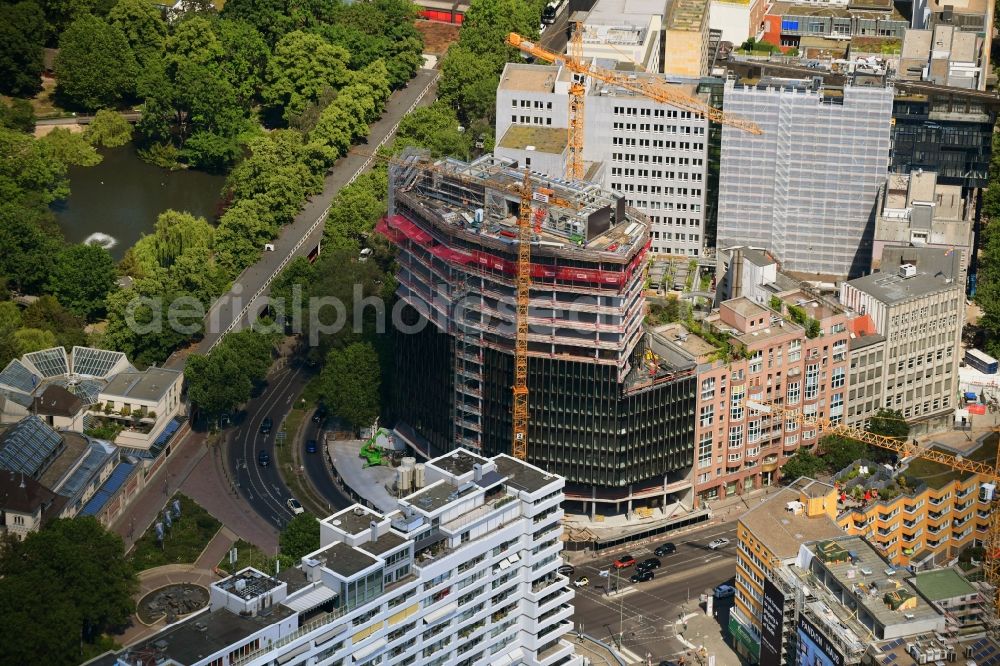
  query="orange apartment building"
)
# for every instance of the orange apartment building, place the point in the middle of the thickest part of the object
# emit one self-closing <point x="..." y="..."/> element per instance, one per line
<point x="930" y="513"/>
<point x="748" y="351"/>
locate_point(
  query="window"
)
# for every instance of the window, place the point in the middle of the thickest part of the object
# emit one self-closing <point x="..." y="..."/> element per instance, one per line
<point x="708" y="388"/>
<point x="756" y="360"/>
<point x="753" y="431"/>
<point x="705" y="450"/>
<point x="736" y="437"/>
<point x="794" y="350"/>
<point x="837" y="378"/>
<point x="736" y="403"/>
<point x="812" y="381"/>
<point x="707" y="412"/>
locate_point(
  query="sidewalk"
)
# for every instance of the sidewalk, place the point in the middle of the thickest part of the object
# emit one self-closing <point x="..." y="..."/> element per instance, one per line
<point x="703" y="636"/>
<point x="594" y="651"/>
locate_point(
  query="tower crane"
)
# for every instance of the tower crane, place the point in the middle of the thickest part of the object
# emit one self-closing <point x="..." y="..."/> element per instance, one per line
<point x="907" y="449"/>
<point x="646" y="86"/>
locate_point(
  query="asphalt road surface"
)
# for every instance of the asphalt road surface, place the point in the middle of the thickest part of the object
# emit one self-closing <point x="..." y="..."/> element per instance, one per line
<point x="261" y="486"/>
<point x="645" y="613"/>
<point x="317" y="468"/>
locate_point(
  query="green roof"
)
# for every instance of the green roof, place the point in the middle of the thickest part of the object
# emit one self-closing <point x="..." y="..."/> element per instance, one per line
<point x="936" y="475"/>
<point x="942" y="584"/>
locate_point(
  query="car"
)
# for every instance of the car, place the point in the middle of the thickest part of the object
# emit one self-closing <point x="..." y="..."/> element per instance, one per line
<point x="566" y="569"/>
<point x="648" y="564"/>
<point x="294" y="506"/>
<point x="266" y="425"/>
<point x="716" y="544"/>
<point x="641" y="576"/>
<point x="665" y="549"/>
<point x="624" y="561"/>
<point x="724" y="591"/>
<point x="311" y="446"/>
<point x="263" y="458"/>
<point x="319" y="415"/>
<point x="582" y="581"/>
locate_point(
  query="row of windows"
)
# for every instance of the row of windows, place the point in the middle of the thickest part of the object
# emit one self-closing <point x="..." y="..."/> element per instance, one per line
<point x="655" y="113"/>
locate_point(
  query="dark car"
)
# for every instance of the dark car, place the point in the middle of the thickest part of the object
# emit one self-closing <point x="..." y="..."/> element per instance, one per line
<point x="319" y="415"/>
<point x="648" y="564"/>
<point x="665" y="549"/>
<point x="263" y="458"/>
<point x="266" y="425"/>
<point x="624" y="561"/>
<point x="311" y="446"/>
<point x="641" y="576"/>
<point x="566" y="569"/>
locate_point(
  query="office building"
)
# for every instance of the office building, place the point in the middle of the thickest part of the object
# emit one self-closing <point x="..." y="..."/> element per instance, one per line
<point x="953" y="595"/>
<point x="686" y="34"/>
<point x="614" y="425"/>
<point x="791" y="352"/>
<point x="463" y="572"/>
<point x="944" y="56"/>
<point x="808" y="594"/>
<point x="629" y="40"/>
<point x="738" y="19"/>
<point x="786" y="189"/>
<point x="915" y="210"/>
<point x="919" y="310"/>
<point x="655" y="155"/>
<point x="969" y="16"/>
<point x="796" y="24"/>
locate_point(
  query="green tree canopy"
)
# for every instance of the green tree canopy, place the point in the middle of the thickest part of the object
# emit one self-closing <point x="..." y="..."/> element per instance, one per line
<point x="245" y="62"/>
<point x="468" y="82"/>
<point x="803" y="463"/>
<point x="142" y="25"/>
<point x="109" y="129"/>
<point x="70" y="148"/>
<point x="95" y="66"/>
<point x="29" y="340"/>
<point x="30" y="240"/>
<point x="221" y="381"/>
<point x="988" y="281"/>
<point x="173" y="234"/>
<point x="890" y="423"/>
<point x="48" y="314"/>
<point x="300" y="536"/>
<point x="436" y="128"/>
<point x="79" y="568"/>
<point x="22" y="35"/>
<point x="29" y="173"/>
<point x="839" y="452"/>
<point x="303" y="65"/>
<point x="81" y="278"/>
<point x="350" y="382"/>
<point x="18" y="115"/>
<point x="10" y="321"/>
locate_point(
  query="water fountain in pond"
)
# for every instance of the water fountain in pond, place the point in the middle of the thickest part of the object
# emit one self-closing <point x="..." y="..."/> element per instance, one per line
<point x="101" y="239"/>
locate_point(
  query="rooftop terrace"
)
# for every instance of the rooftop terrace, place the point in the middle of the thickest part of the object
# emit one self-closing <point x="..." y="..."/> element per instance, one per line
<point x="687" y="15"/>
<point x="782" y="531"/>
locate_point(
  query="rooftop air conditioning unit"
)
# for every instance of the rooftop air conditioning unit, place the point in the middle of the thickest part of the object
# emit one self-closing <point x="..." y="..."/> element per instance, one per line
<point x="907" y="271"/>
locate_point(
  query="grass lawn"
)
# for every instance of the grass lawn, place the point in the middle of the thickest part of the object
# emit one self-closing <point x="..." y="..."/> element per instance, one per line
<point x="936" y="475"/>
<point x="184" y="541"/>
<point x="248" y="555"/>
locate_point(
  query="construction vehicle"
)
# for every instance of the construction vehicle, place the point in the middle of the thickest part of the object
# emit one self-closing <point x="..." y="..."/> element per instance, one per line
<point x="649" y="87"/>
<point x="911" y="449"/>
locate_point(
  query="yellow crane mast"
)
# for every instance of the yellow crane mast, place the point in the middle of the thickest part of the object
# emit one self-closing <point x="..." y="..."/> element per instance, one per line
<point x="520" y="414"/>
<point x="907" y="449"/>
<point x="649" y="87"/>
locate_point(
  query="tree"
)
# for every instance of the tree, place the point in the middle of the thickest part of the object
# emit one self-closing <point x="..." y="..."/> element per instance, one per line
<point x="95" y="66"/>
<point x="468" y="82"/>
<point x="355" y="210"/>
<point x="241" y="235"/>
<point x="173" y="234"/>
<point x="10" y="321"/>
<point x="30" y="242"/>
<point x="221" y="381"/>
<point x="349" y="383"/>
<point x="28" y="172"/>
<point x="803" y="463"/>
<point x="839" y="452"/>
<point x="48" y="314"/>
<point x="109" y="129"/>
<point x="143" y="26"/>
<point x="889" y="423"/>
<point x="303" y="65"/>
<point x="29" y="340"/>
<point x="435" y="128"/>
<point x="18" y="115"/>
<point x="22" y="35"/>
<point x="70" y="148"/>
<point x="81" y="279"/>
<point x="75" y="561"/>
<point x="300" y="536"/>
<point x="246" y="58"/>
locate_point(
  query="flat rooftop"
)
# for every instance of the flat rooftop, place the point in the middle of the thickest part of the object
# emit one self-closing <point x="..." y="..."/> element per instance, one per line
<point x="687" y="15"/>
<point x="527" y="137"/>
<point x="353" y="520"/>
<point x="150" y="385"/>
<point x="522" y="476"/>
<point x="695" y="346"/>
<point x="529" y="78"/>
<point x="877" y="583"/>
<point x="936" y="475"/>
<point x="783" y="8"/>
<point x="890" y="288"/>
<point x="815" y="307"/>
<point x="782" y="531"/>
<point x="436" y="496"/>
<point x="197" y="637"/>
<point x="248" y="584"/>
<point x="942" y="584"/>
<point x="76" y="447"/>
<point x="458" y="462"/>
<point x="344" y="560"/>
<point x="747" y="308"/>
<point x="385" y="543"/>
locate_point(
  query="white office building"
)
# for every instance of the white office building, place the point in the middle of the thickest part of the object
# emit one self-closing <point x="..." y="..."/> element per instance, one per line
<point x="463" y="573"/>
<point x="653" y="154"/>
<point x="806" y="188"/>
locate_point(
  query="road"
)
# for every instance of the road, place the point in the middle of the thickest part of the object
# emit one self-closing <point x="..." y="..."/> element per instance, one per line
<point x="229" y="311"/>
<point x="646" y="612"/>
<point x="318" y="468"/>
<point x="261" y="486"/>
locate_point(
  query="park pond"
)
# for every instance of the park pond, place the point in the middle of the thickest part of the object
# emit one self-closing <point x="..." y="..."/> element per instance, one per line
<point x="114" y="203"/>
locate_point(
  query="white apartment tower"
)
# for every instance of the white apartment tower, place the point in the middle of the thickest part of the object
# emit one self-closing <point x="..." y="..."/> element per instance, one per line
<point x="806" y="188"/>
<point x="654" y="154"/>
<point x="462" y="573"/>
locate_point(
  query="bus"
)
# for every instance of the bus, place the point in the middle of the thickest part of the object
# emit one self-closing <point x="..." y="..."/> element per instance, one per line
<point x="980" y="361"/>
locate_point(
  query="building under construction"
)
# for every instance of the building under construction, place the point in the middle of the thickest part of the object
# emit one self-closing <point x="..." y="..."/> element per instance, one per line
<point x="609" y="409"/>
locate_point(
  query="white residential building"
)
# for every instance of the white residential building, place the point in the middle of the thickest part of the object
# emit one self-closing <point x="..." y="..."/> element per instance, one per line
<point x="463" y="573"/>
<point x="653" y="154"/>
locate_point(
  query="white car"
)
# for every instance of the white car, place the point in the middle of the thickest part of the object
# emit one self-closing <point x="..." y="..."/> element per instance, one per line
<point x="294" y="506"/>
<point x="718" y="543"/>
<point x="582" y="581"/>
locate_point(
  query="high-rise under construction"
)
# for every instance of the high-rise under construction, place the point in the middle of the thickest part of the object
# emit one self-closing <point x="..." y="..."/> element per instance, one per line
<point x="609" y="408"/>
